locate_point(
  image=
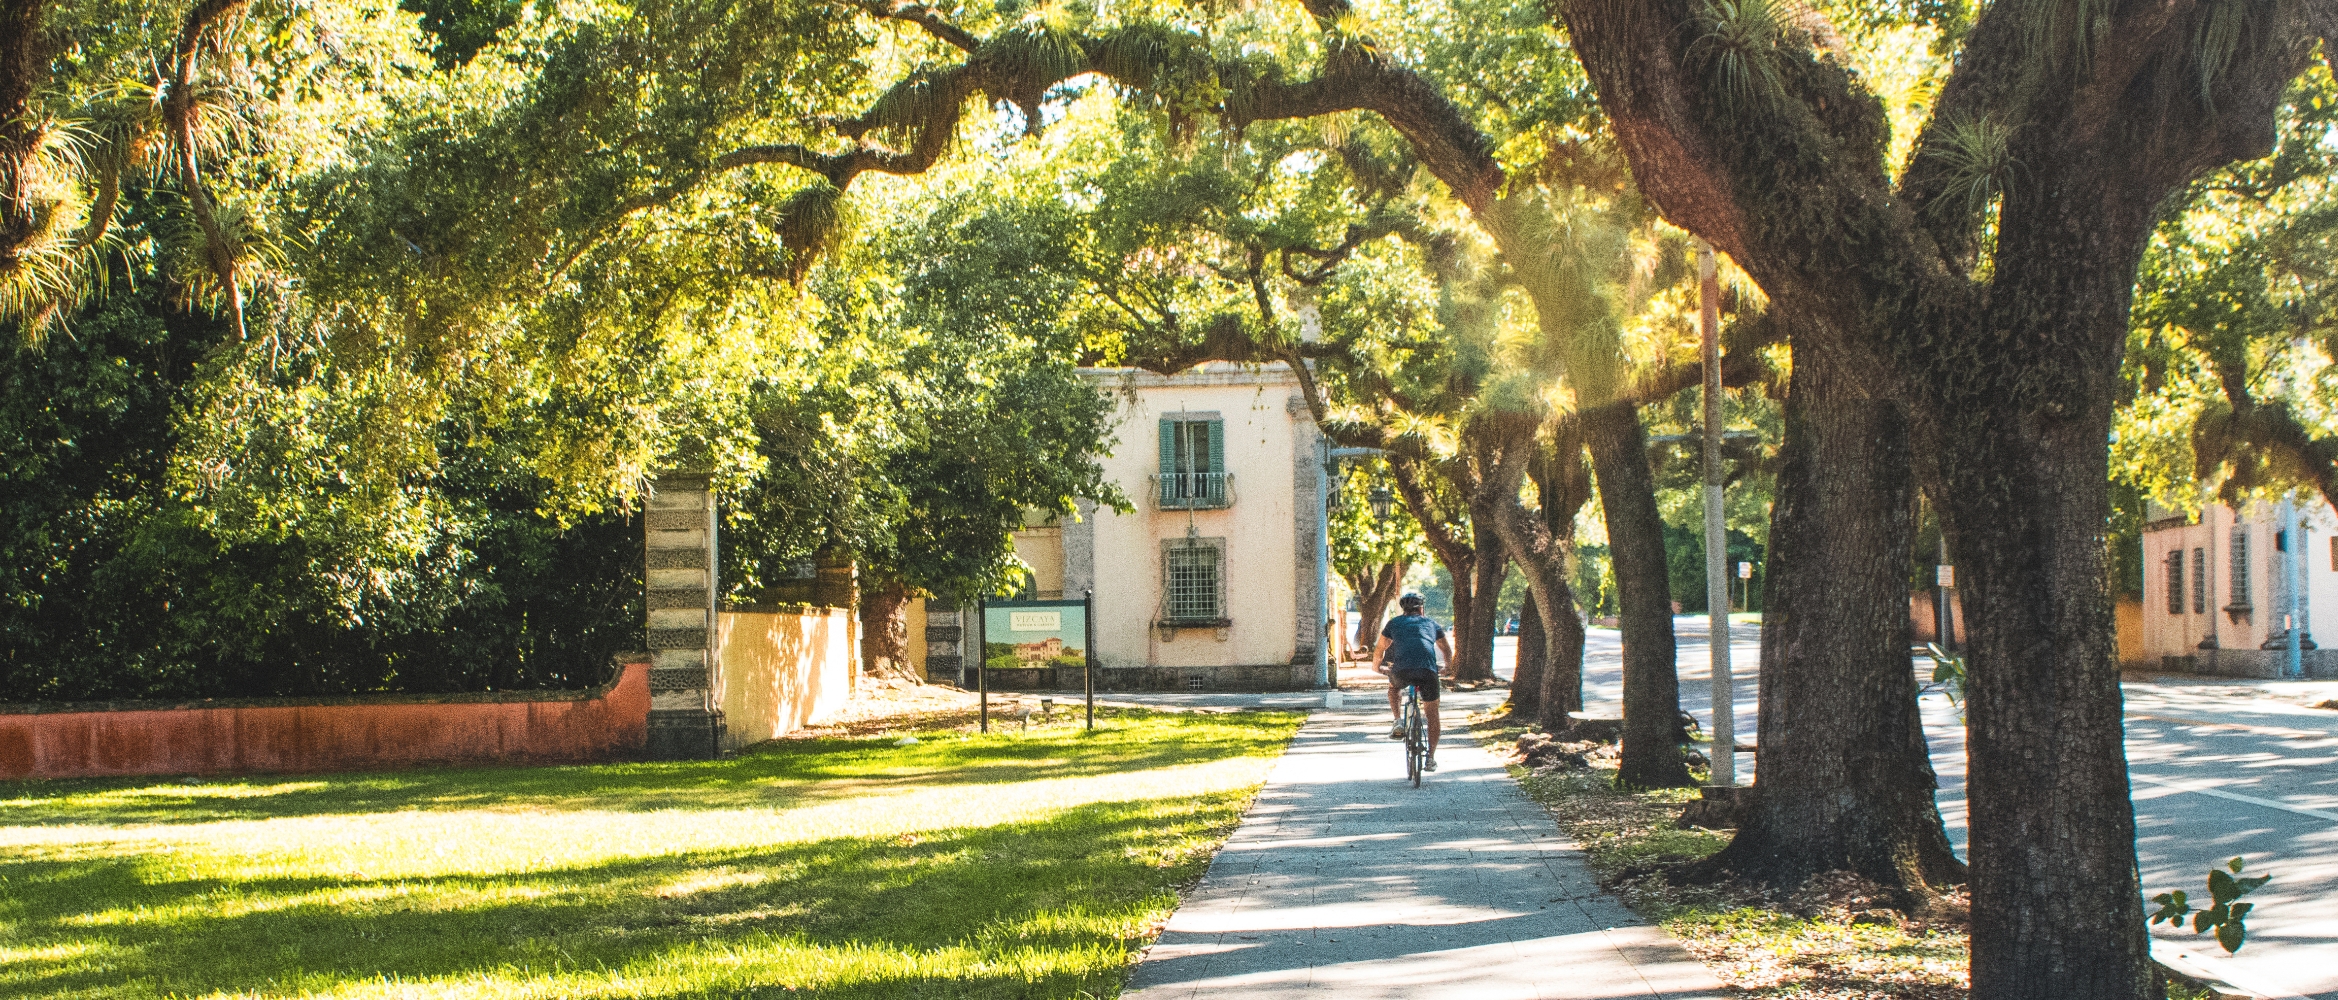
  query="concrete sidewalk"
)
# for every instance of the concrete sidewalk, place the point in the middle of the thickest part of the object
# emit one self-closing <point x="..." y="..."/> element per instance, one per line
<point x="1344" y="880"/>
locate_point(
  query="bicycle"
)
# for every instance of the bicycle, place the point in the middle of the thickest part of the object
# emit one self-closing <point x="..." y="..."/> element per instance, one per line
<point x="1416" y="736"/>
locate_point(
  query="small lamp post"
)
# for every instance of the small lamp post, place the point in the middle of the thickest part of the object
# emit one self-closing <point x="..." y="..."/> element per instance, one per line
<point x="1383" y="503"/>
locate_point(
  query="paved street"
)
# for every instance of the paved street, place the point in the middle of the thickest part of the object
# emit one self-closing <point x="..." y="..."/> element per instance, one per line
<point x="1345" y="881"/>
<point x="2220" y="768"/>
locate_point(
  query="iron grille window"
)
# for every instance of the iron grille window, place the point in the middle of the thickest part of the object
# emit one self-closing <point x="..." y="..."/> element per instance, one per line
<point x="2175" y="581"/>
<point x="1193" y="583"/>
<point x="2200" y="579"/>
<point x="2240" y="567"/>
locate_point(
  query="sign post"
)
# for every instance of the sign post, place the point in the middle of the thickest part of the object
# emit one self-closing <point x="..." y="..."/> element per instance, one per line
<point x="982" y="659"/>
<point x="1047" y="638"/>
<point x="1088" y="654"/>
<point x="1943" y="614"/>
<point x="1724" y="757"/>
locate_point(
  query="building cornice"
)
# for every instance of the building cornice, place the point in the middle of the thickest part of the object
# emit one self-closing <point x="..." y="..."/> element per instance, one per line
<point x="1209" y="375"/>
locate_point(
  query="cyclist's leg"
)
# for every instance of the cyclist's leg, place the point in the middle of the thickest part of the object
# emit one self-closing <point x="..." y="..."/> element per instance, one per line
<point x="1428" y="686"/>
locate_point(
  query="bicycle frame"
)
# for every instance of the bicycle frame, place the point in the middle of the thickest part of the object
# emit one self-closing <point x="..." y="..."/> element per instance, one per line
<point x="1416" y="736"/>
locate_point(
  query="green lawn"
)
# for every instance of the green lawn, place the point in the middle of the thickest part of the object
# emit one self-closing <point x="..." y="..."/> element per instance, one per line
<point x="1013" y="865"/>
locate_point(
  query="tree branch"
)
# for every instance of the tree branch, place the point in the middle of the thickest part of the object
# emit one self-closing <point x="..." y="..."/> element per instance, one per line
<point x="924" y="17"/>
<point x="178" y="110"/>
<point x="1451" y="551"/>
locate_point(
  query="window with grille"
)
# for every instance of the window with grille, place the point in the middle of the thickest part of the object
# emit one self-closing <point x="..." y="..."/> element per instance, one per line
<point x="2200" y="580"/>
<point x="2240" y="568"/>
<point x="1193" y="583"/>
<point x="2175" y="581"/>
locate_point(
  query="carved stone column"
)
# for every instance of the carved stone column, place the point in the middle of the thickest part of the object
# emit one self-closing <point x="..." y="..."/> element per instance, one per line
<point x="945" y="637"/>
<point x="685" y="717"/>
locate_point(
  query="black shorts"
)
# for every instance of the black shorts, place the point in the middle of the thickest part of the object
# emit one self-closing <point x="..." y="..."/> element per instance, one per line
<point x="1424" y="681"/>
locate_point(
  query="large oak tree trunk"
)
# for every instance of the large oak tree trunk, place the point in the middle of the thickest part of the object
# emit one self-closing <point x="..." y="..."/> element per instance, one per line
<point x="1373" y="596"/>
<point x="2055" y="855"/>
<point x="1565" y="486"/>
<point x="1651" y="755"/>
<point x="1542" y="543"/>
<point x="884" y="613"/>
<point x="1844" y="780"/>
<point x="1473" y="630"/>
<point x="1557" y="684"/>
<point x="25" y="47"/>
<point x="2006" y="353"/>
<point x="1526" y="682"/>
<point x="2022" y="477"/>
<point x="1562" y="676"/>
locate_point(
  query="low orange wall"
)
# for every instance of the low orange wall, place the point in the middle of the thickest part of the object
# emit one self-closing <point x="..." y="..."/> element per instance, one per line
<point x="2130" y="612"/>
<point x="607" y="723"/>
<point x="784" y="671"/>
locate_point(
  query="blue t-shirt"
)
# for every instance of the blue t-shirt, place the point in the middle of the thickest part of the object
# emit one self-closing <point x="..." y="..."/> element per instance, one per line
<point x="1412" y="642"/>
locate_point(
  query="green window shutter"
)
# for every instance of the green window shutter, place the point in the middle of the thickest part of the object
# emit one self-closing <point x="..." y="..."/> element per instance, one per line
<point x="1166" y="489"/>
<point x="1216" y="488"/>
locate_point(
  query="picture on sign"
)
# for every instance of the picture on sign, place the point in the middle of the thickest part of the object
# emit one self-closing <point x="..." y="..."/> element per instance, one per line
<point x="1745" y="571"/>
<point x="1034" y="637"/>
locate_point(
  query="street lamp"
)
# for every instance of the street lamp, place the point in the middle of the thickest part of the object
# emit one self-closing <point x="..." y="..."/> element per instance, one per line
<point x="1383" y="503"/>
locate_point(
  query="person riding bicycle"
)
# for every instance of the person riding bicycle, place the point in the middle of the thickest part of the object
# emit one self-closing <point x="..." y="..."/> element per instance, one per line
<point x="1408" y="654"/>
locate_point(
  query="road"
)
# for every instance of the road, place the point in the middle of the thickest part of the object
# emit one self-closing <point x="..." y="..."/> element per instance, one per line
<point x="2220" y="768"/>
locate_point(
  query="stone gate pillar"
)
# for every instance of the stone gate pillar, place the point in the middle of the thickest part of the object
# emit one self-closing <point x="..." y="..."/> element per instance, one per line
<point x="685" y="717"/>
<point x="945" y="635"/>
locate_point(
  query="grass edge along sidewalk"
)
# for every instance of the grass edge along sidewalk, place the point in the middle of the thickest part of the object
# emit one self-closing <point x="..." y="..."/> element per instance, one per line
<point x="1026" y="864"/>
<point x="1826" y="943"/>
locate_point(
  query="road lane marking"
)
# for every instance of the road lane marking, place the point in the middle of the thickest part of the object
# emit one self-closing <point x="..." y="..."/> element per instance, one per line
<point x="2244" y="727"/>
<point x="2198" y="789"/>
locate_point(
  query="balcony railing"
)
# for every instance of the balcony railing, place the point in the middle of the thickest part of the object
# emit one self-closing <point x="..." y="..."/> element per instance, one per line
<point x="1193" y="490"/>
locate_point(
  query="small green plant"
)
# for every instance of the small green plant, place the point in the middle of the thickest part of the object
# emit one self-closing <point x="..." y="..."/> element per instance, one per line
<point x="2229" y="915"/>
<point x="1948" y="673"/>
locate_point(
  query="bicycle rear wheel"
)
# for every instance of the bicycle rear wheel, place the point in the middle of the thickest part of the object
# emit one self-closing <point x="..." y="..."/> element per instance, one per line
<point x="1416" y="747"/>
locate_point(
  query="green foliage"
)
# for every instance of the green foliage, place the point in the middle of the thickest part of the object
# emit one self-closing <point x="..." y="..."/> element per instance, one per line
<point x="1948" y="673"/>
<point x="2226" y="915"/>
<point x="463" y="27"/>
<point x="118" y="587"/>
<point x="2229" y="377"/>
<point x="1737" y="48"/>
<point x="939" y="408"/>
<point x="1684" y="556"/>
<point x="1360" y="542"/>
<point x="1595" y="583"/>
<point x="1977" y="161"/>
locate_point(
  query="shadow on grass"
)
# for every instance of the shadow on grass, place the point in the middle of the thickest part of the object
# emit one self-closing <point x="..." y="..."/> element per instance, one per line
<point x="1046" y="908"/>
<point x="771" y="775"/>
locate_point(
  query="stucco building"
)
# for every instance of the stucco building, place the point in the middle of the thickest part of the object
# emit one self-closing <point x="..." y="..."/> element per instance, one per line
<point x="2216" y="588"/>
<point x="1216" y="580"/>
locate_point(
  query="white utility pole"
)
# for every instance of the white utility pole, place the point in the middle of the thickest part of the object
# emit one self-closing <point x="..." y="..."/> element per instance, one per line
<point x="1724" y="771"/>
<point x="2293" y="564"/>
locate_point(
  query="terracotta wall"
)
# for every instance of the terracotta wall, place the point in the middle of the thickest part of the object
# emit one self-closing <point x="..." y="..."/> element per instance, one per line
<point x="1925" y="626"/>
<point x="2130" y="617"/>
<point x="783" y="669"/>
<point x="2129" y="610"/>
<point x="281" y="735"/>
